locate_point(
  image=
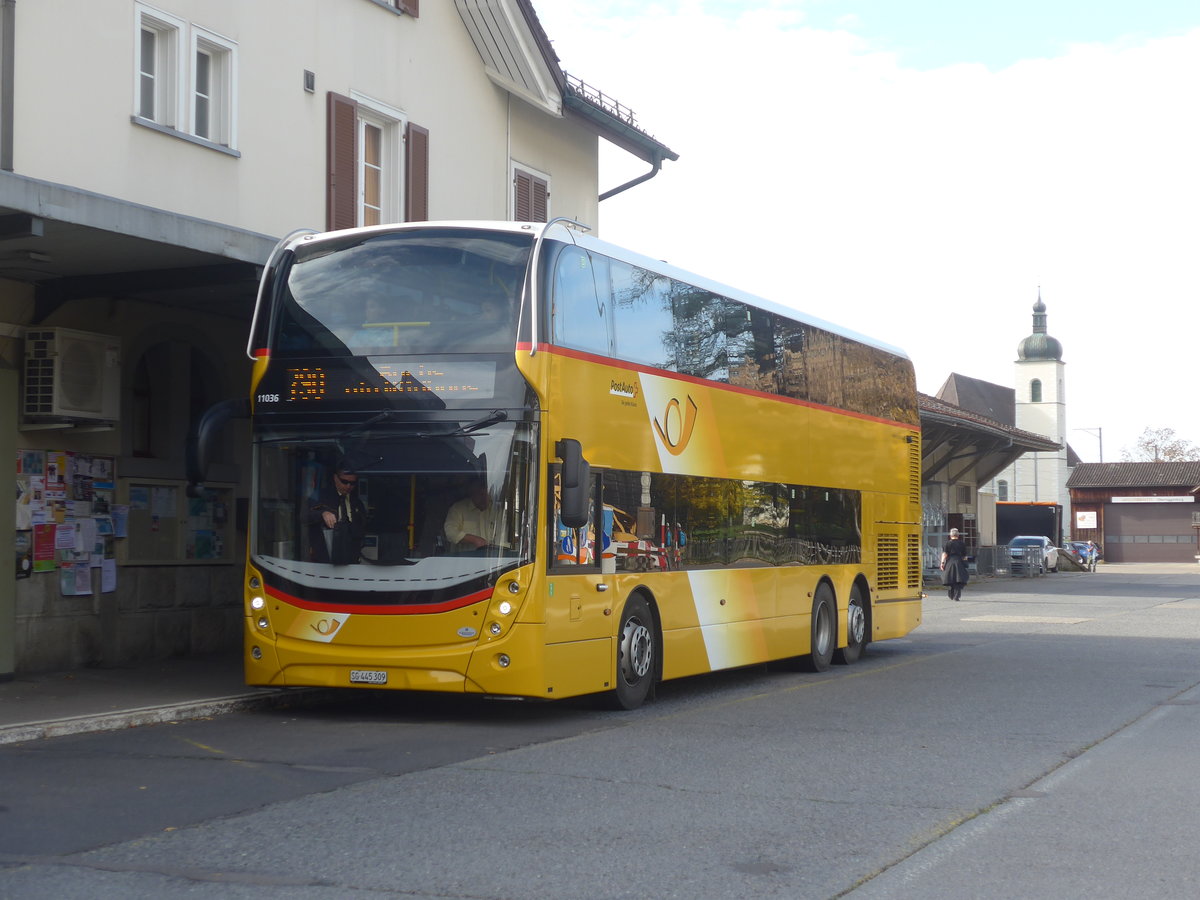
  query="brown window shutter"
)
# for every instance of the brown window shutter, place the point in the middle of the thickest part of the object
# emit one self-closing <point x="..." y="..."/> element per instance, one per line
<point x="416" y="169"/>
<point x="412" y="7"/>
<point x="541" y="200"/>
<point x="531" y="197"/>
<point x="341" y="188"/>
<point x="522" y="196"/>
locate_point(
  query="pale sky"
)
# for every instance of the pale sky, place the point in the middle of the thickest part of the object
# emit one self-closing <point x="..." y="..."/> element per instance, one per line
<point x="916" y="171"/>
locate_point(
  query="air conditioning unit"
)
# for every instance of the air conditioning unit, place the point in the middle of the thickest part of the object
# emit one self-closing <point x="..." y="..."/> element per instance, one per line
<point x="71" y="375"/>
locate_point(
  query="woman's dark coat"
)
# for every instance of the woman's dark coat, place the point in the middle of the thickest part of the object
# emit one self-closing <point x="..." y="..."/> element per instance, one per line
<point x="955" y="571"/>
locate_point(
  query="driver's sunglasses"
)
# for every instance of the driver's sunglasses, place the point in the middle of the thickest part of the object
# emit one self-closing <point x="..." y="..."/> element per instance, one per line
<point x="348" y="482"/>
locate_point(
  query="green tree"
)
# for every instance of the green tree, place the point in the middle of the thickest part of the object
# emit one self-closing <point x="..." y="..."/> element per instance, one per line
<point x="1160" y="445"/>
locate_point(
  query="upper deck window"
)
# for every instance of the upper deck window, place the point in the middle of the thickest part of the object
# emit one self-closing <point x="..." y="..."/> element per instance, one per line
<point x="418" y="291"/>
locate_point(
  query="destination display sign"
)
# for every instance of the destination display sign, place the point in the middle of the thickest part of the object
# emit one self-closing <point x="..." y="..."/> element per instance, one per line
<point x="446" y="380"/>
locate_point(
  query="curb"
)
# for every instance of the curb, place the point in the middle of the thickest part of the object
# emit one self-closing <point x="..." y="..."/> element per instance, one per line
<point x="156" y="715"/>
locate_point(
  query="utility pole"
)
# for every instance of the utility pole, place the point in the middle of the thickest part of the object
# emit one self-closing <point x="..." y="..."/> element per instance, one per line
<point x="1098" y="433"/>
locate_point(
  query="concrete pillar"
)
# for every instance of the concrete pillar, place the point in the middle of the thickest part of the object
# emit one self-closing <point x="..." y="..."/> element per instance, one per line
<point x="8" y="584"/>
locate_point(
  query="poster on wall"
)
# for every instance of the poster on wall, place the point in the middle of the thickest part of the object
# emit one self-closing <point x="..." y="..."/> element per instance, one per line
<point x="66" y="513"/>
<point x="24" y="548"/>
<point x="44" y="558"/>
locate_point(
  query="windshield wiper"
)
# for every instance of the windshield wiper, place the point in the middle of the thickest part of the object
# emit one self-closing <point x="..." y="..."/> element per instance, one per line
<point x="385" y="416"/>
<point x="492" y="418"/>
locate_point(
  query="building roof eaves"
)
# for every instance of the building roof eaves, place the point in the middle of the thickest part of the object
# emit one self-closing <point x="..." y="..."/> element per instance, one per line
<point x="601" y="113"/>
<point x="948" y="414"/>
<point x="1172" y="474"/>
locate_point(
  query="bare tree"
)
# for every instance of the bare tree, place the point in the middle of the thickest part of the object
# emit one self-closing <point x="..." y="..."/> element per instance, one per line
<point x="1160" y="445"/>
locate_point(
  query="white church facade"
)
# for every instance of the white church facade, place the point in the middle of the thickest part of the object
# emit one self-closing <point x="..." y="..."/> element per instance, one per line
<point x="1040" y="407"/>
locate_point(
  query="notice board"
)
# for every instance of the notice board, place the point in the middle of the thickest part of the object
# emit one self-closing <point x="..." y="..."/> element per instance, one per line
<point x="167" y="527"/>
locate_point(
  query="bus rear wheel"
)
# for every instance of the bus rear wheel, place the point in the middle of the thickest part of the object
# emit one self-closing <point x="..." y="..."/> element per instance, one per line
<point x="856" y="629"/>
<point x="635" y="655"/>
<point x="823" y="634"/>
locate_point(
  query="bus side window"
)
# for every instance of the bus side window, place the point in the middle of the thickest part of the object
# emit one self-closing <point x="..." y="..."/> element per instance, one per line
<point x="573" y="546"/>
<point x="644" y="319"/>
<point x="581" y="307"/>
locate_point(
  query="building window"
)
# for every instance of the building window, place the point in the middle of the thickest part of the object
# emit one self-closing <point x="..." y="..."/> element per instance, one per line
<point x="372" y="173"/>
<point x="213" y="75"/>
<point x="1035" y="391"/>
<point x="157" y="86"/>
<point x="964" y="495"/>
<point x="531" y="195"/>
<point x="163" y="373"/>
<point x="378" y="164"/>
<point x="1001" y="489"/>
<point x="378" y="161"/>
<point x="186" y="78"/>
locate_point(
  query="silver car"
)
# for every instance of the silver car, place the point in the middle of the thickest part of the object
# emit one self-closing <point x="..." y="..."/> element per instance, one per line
<point x="1018" y="546"/>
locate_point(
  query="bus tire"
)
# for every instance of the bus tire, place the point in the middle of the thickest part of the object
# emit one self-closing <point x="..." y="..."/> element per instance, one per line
<point x="636" y="648"/>
<point x="856" y="629"/>
<point x="823" y="633"/>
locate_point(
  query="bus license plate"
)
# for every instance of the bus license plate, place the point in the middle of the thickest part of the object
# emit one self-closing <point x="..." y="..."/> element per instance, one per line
<point x="367" y="676"/>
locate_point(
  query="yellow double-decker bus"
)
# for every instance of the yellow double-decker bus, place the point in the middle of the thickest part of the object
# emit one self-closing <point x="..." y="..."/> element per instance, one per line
<point x="511" y="459"/>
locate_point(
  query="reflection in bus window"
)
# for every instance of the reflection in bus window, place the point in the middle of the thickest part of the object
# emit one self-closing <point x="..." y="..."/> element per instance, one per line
<point x="581" y="319"/>
<point x="644" y="321"/>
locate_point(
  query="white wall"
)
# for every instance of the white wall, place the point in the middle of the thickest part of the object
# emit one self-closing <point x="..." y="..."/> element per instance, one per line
<point x="74" y="82"/>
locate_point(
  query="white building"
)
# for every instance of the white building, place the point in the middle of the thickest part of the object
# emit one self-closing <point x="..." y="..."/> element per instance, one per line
<point x="1041" y="408"/>
<point x="151" y="154"/>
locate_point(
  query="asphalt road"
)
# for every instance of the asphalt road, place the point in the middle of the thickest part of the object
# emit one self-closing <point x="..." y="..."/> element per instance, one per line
<point x="1037" y="739"/>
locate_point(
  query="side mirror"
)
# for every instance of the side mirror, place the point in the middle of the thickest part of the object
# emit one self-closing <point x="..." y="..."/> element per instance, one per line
<point x="576" y="483"/>
<point x="201" y="440"/>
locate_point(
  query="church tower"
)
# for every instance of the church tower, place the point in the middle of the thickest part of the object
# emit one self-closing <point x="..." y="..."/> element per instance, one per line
<point x="1041" y="408"/>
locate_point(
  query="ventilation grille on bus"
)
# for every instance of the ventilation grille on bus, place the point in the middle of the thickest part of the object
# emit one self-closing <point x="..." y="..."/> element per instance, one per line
<point x="914" y="468"/>
<point x="914" y="572"/>
<point x="887" y="561"/>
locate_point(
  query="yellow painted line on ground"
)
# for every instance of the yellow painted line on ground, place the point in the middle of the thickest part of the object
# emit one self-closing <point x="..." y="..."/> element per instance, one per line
<point x="204" y="746"/>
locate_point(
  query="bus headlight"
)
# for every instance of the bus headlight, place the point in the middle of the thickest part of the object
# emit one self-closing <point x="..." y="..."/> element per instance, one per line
<point x="257" y="603"/>
<point x="262" y="622"/>
<point x="503" y="661"/>
<point x="255" y="584"/>
<point x="504" y="608"/>
<point x="495" y="628"/>
<point x="514" y="587"/>
<point x="256" y="652"/>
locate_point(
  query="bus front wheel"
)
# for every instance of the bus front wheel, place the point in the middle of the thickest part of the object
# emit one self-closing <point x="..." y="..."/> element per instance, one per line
<point x="635" y="654"/>
<point x="823" y="634"/>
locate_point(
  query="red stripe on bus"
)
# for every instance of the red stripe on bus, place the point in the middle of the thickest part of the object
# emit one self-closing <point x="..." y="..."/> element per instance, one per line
<point x="554" y="349"/>
<point x="394" y="609"/>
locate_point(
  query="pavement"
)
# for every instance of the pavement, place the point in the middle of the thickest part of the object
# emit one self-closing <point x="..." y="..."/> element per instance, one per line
<point x="35" y="706"/>
<point x="107" y="699"/>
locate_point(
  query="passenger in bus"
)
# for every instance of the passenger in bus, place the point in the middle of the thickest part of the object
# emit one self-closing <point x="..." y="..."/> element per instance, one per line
<point x="377" y="330"/>
<point x="337" y="522"/>
<point x="473" y="523"/>
<point x="486" y="328"/>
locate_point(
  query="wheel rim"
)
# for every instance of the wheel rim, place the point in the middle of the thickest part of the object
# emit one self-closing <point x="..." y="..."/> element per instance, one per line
<point x="823" y="639"/>
<point x="637" y="650"/>
<point x="856" y="623"/>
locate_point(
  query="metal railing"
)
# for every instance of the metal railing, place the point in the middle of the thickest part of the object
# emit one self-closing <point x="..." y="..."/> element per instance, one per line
<point x="597" y="97"/>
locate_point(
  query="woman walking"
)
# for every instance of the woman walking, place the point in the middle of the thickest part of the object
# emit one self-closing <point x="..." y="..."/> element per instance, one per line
<point x="954" y="565"/>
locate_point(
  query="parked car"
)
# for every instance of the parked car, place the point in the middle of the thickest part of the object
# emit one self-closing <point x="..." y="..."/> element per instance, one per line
<point x="1049" y="553"/>
<point x="1078" y="551"/>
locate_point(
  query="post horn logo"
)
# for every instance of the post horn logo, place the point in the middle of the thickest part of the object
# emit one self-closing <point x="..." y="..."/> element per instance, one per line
<point x="678" y="423"/>
<point x="325" y="627"/>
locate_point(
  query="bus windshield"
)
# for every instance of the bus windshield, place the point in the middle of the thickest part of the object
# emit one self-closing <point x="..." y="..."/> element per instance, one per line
<point x="403" y="292"/>
<point x="434" y="509"/>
